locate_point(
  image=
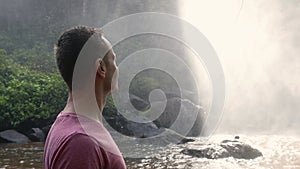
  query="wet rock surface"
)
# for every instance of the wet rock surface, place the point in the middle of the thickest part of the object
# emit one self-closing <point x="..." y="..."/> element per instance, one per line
<point x="191" y="113"/>
<point x="22" y="136"/>
<point x="37" y="135"/>
<point x="227" y="148"/>
<point x="186" y="140"/>
<point x="145" y="128"/>
<point x="12" y="136"/>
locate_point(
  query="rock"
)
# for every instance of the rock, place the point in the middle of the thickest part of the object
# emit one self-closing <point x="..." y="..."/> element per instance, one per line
<point x="186" y="140"/>
<point x="241" y="150"/>
<point x="191" y="113"/>
<point x="165" y="138"/>
<point x="227" y="141"/>
<point x="225" y="149"/>
<point x="209" y="153"/>
<point x="130" y="128"/>
<point x="37" y="135"/>
<point x="46" y="129"/>
<point x="12" y="136"/>
<point x="138" y="102"/>
<point x="143" y="130"/>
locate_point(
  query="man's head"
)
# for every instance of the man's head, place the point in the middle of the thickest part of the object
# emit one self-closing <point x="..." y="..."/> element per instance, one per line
<point x="68" y="48"/>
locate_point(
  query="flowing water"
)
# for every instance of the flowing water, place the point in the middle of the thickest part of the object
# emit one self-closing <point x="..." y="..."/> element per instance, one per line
<point x="21" y="155"/>
<point x="282" y="152"/>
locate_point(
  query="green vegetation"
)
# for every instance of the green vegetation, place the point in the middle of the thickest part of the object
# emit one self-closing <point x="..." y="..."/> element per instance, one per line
<point x="28" y="95"/>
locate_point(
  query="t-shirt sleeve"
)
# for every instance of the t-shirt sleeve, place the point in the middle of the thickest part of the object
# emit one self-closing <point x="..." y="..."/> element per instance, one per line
<point x="79" y="152"/>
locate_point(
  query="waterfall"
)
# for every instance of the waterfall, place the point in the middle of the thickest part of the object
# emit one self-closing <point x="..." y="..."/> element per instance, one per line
<point x="84" y="3"/>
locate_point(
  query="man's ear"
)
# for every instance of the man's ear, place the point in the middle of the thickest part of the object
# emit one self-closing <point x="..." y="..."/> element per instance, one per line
<point x="101" y="70"/>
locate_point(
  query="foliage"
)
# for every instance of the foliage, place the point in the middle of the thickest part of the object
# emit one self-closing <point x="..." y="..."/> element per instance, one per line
<point x="27" y="94"/>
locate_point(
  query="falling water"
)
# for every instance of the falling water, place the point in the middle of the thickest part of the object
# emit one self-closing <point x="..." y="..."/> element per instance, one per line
<point x="256" y="42"/>
<point x="84" y="2"/>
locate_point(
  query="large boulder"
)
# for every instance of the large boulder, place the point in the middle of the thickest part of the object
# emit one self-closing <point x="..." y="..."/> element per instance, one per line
<point x="12" y="136"/>
<point x="191" y="113"/>
<point x="130" y="128"/>
<point x="119" y="124"/>
<point x="46" y="129"/>
<point x="37" y="135"/>
<point x="240" y="150"/>
<point x="138" y="102"/>
<point x="210" y="152"/>
<point x="143" y="130"/>
<point x="226" y="148"/>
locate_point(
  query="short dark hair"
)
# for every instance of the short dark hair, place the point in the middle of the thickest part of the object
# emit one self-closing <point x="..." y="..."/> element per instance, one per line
<point x="68" y="47"/>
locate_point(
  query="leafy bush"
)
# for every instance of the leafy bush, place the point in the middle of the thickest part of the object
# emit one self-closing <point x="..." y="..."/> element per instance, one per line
<point x="27" y="94"/>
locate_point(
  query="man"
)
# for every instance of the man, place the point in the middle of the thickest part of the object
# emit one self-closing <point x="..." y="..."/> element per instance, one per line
<point x="78" y="139"/>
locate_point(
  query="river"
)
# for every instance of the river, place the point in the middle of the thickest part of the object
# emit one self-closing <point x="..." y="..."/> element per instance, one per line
<point x="279" y="152"/>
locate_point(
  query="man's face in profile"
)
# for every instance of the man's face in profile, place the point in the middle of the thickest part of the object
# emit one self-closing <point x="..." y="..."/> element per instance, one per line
<point x="108" y="68"/>
<point x="112" y="72"/>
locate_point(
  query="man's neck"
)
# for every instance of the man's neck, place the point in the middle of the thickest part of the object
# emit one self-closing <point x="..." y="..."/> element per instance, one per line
<point x="88" y="110"/>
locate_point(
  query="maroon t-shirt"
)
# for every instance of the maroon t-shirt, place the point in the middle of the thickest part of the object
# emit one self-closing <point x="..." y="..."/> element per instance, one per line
<point x="77" y="142"/>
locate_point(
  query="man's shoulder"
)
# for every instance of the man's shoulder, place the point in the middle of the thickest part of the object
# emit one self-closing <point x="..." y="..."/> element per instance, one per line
<point x="65" y="125"/>
<point x="81" y="139"/>
<point x="82" y="145"/>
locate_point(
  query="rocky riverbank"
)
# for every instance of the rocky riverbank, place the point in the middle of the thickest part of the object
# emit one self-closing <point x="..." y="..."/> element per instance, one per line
<point x="15" y="136"/>
<point x="28" y="131"/>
